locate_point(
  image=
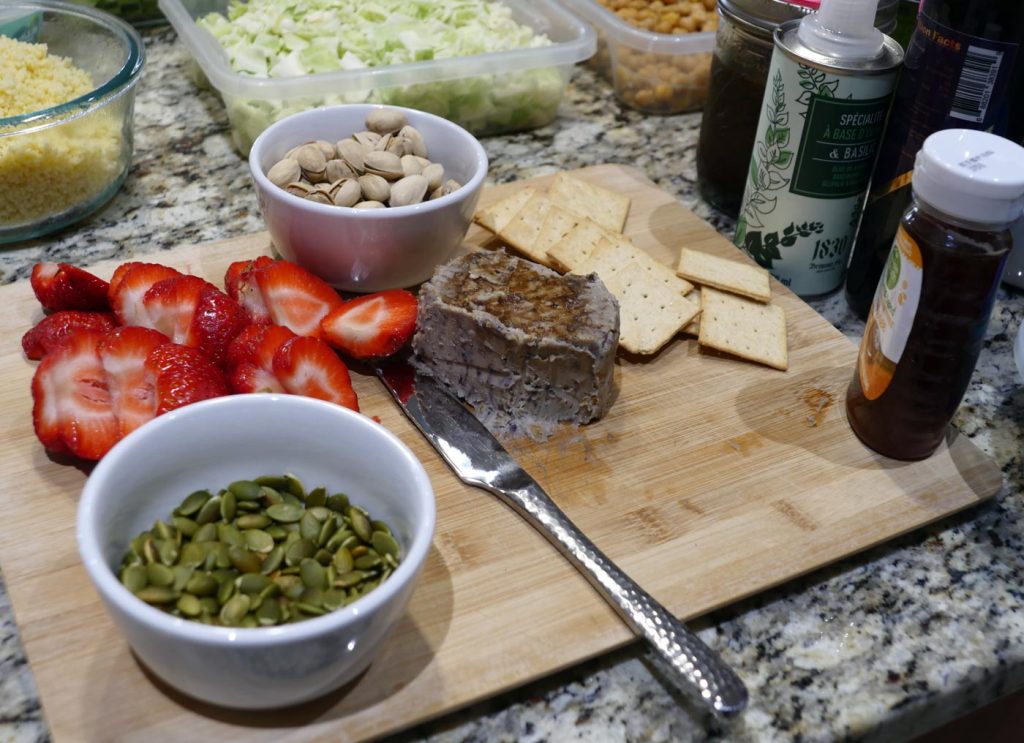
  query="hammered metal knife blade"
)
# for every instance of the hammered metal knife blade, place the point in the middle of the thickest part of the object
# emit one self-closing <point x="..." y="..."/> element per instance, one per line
<point x="479" y="459"/>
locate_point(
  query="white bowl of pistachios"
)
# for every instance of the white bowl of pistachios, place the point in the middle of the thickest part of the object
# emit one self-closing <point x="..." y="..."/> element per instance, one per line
<point x="367" y="197"/>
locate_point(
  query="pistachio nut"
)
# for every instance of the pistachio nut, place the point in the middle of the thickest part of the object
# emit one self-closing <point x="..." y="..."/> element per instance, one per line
<point x="408" y="190"/>
<point x="434" y="173"/>
<point x="412" y="135"/>
<point x="284" y="172"/>
<point x="375" y="188"/>
<point x="385" y="164"/>
<point x="369" y="205"/>
<point x="385" y="120"/>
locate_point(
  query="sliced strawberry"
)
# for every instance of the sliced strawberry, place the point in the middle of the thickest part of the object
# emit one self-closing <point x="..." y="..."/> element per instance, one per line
<point x="128" y="287"/>
<point x="184" y="375"/>
<point x="61" y="286"/>
<point x="372" y="326"/>
<point x="132" y="385"/>
<point x="250" y="358"/>
<point x="52" y="329"/>
<point x="194" y="313"/>
<point x="308" y="366"/>
<point x="72" y="411"/>
<point x="240" y="284"/>
<point x="294" y="297"/>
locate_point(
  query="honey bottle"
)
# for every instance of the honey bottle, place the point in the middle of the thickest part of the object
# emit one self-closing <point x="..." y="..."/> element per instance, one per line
<point x="934" y="298"/>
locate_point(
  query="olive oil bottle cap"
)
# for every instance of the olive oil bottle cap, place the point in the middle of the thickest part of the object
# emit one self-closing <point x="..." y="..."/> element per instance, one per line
<point x="971" y="175"/>
<point x="844" y="30"/>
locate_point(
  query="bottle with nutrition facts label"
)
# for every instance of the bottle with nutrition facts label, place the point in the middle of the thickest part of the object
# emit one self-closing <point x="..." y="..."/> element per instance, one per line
<point x="964" y="68"/>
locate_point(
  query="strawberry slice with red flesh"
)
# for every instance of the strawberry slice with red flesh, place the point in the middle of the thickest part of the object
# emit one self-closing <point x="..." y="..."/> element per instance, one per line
<point x="294" y="297"/>
<point x="194" y="313"/>
<point x="183" y="376"/>
<point x="308" y="366"/>
<point x="61" y="286"/>
<point x="123" y="352"/>
<point x="240" y="284"/>
<point x="72" y="411"/>
<point x="52" y="329"/>
<point x="250" y="358"/>
<point x="128" y="287"/>
<point x="372" y="326"/>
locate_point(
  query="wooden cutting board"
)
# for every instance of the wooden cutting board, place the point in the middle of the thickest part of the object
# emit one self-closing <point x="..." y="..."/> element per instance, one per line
<point x="710" y="479"/>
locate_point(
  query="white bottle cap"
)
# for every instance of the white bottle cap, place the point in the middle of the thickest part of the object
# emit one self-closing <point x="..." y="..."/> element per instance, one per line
<point x="843" y="29"/>
<point x="971" y="175"/>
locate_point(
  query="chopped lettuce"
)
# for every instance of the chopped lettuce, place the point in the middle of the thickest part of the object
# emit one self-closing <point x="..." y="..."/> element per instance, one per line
<point x="288" y="38"/>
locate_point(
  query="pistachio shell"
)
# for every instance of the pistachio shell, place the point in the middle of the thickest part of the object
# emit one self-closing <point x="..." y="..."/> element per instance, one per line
<point x="312" y="162"/>
<point x="434" y="173"/>
<point x="326" y="148"/>
<point x="297" y="188"/>
<point x="411" y="165"/>
<point x="369" y="205"/>
<point x="409" y="190"/>
<point x="338" y="169"/>
<point x="375" y="188"/>
<point x="352" y="153"/>
<point x="412" y="135"/>
<point x="284" y="172"/>
<point x="366" y="139"/>
<point x="384" y="120"/>
<point x="346" y="193"/>
<point x="319" y="197"/>
<point x="385" y="164"/>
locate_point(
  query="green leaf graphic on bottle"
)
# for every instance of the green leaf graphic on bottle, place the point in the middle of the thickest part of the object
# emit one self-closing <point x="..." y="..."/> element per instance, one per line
<point x="815" y="82"/>
<point x="769" y="161"/>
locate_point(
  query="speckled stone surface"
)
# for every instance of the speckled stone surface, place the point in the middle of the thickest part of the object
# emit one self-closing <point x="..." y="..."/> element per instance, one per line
<point x="883" y="646"/>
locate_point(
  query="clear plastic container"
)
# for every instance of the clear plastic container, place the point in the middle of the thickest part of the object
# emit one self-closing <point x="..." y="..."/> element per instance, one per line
<point x="493" y="93"/>
<point x="139" y="13"/>
<point x="651" y="72"/>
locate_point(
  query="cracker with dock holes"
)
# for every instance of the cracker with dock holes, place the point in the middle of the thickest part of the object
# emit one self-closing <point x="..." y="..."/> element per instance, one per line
<point x="607" y="208"/>
<point x="497" y="216"/>
<point x="577" y="244"/>
<point x="557" y="224"/>
<point x="744" y="328"/>
<point x="651" y="311"/>
<point x="731" y="276"/>
<point x="521" y="233"/>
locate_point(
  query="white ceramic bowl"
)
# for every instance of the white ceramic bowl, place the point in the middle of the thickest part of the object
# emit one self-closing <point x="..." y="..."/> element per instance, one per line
<point x="368" y="250"/>
<point x="208" y="445"/>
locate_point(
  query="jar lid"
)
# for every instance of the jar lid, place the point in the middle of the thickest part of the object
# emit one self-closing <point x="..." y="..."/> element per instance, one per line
<point x="970" y="175"/>
<point x="764" y="16"/>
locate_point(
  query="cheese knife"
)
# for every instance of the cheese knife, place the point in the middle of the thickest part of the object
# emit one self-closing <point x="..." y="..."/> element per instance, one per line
<point x="479" y="459"/>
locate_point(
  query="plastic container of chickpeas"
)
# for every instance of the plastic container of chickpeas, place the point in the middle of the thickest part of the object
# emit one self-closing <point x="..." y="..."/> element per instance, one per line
<point x="657" y="55"/>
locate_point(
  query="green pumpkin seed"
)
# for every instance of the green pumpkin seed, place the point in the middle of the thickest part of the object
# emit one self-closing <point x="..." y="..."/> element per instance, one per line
<point x="245" y="561"/>
<point x="269" y="614"/>
<point x="278" y="532"/>
<point x="249" y="622"/>
<point x="182" y="574"/>
<point x="252" y="583"/>
<point x="349" y="579"/>
<point x="167" y="552"/>
<point x="185" y="526"/>
<point x="248" y="506"/>
<point x="316" y="497"/>
<point x="192" y="553"/>
<point x="298" y="551"/>
<point x="135" y="578"/>
<point x="149" y="549"/>
<point x="277" y="482"/>
<point x="343" y="562"/>
<point x="359" y="550"/>
<point x="230" y="535"/>
<point x="309" y="527"/>
<point x="338" y="502"/>
<point x="252" y="521"/>
<point x="210" y="511"/>
<point x="246" y="490"/>
<point x="310" y="609"/>
<point x="258" y="540"/>
<point x="285" y="512"/>
<point x="225" y="592"/>
<point x="381" y="526"/>
<point x="209" y="605"/>
<point x="205" y="533"/>
<point x="311" y="596"/>
<point x="191" y="505"/>
<point x="157" y="594"/>
<point x="320" y="513"/>
<point x="163" y="530"/>
<point x="189" y="605"/>
<point x="323" y="557"/>
<point x="312" y="574"/>
<point x="294" y="486"/>
<point x="222" y="556"/>
<point x="337" y="539"/>
<point x="228" y="506"/>
<point x="232" y="613"/>
<point x="270" y="497"/>
<point x="360" y="524"/>
<point x="202" y="584"/>
<point x="334" y="598"/>
<point x="367" y="562"/>
<point x="326" y="532"/>
<point x="273" y="560"/>
<point x="384" y="543"/>
<point x="159" y="575"/>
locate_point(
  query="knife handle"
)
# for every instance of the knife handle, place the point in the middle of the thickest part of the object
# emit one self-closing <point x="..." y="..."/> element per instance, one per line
<point x="697" y="668"/>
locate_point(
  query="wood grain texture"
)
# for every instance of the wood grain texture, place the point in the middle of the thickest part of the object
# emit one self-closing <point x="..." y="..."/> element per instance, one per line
<point x="710" y="479"/>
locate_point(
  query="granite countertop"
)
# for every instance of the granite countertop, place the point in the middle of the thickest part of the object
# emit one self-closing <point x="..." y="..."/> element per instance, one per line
<point x="883" y="646"/>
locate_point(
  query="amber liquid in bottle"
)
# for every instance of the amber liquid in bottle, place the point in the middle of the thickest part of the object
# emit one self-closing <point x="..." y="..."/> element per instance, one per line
<point x="961" y="272"/>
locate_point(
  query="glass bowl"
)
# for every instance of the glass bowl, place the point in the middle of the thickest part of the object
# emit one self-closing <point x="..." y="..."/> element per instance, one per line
<point x="60" y="164"/>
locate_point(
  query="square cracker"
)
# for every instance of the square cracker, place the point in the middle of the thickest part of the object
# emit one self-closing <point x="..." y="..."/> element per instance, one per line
<point x="650" y="312"/>
<point x="522" y="232"/>
<point x="607" y="208"/>
<point x="496" y="216"/>
<point x="744" y="328"/>
<point x="578" y="244"/>
<point x="720" y="273"/>
<point x="623" y="251"/>
<point x="557" y="224"/>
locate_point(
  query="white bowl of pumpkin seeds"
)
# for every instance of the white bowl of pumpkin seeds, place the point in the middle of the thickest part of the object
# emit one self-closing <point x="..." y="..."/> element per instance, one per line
<point x="256" y="550"/>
